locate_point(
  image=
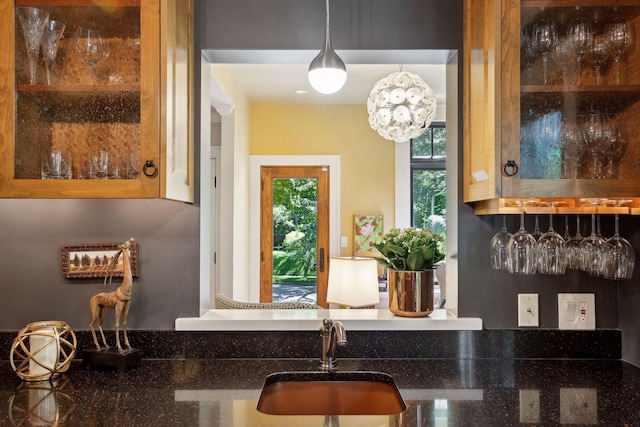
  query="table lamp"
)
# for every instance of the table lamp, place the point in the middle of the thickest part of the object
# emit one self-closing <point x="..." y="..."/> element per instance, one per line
<point x="353" y="281"/>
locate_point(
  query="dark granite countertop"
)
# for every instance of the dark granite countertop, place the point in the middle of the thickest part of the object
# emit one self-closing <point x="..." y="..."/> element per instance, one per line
<point x="223" y="392"/>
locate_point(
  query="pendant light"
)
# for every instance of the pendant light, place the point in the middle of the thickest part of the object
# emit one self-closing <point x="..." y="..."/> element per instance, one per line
<point x="327" y="72"/>
<point x="401" y="106"/>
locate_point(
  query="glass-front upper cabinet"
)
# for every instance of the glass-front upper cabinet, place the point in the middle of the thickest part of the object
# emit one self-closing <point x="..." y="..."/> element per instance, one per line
<point x="552" y="99"/>
<point x="81" y="89"/>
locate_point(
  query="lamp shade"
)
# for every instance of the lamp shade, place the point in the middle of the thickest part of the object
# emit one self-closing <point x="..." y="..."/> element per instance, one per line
<point x="401" y="106"/>
<point x="353" y="281"/>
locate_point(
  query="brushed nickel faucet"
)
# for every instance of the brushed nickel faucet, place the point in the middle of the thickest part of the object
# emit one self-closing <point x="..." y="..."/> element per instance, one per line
<point x="332" y="335"/>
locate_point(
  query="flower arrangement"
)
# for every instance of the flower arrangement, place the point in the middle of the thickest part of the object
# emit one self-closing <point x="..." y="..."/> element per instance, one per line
<point x="411" y="249"/>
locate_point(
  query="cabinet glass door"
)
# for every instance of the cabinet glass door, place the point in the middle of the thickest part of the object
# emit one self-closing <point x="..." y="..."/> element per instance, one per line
<point x="77" y="92"/>
<point x="579" y="94"/>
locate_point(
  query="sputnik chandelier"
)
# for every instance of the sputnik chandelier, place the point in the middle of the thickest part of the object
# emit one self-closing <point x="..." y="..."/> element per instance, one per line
<point x="401" y="106"/>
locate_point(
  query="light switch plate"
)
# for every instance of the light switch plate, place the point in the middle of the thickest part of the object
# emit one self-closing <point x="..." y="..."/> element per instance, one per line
<point x="528" y="310"/>
<point x="576" y="311"/>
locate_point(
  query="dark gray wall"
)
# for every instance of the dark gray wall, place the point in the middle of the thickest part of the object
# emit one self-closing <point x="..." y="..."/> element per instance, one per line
<point x="31" y="235"/>
<point x="32" y="231"/>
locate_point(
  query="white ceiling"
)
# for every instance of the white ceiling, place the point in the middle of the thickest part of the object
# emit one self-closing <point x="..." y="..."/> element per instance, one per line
<point x="278" y="83"/>
<point x="275" y="76"/>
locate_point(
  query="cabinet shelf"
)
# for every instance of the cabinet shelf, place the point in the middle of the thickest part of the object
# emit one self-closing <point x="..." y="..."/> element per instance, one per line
<point x="567" y="206"/>
<point x="79" y="88"/>
<point x="548" y="97"/>
<point x="573" y="3"/>
<point x="80" y="3"/>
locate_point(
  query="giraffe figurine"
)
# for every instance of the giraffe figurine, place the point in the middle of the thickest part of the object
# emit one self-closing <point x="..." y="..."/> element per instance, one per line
<point x="118" y="299"/>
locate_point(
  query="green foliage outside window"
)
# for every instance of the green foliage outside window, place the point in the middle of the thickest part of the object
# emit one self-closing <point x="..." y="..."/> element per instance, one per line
<point x="428" y="174"/>
<point x="294" y="225"/>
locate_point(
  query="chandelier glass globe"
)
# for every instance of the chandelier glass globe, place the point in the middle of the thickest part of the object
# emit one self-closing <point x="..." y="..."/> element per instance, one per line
<point x="401" y="106"/>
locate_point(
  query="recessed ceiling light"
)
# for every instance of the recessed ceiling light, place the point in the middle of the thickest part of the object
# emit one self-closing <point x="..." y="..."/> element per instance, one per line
<point x="301" y="92"/>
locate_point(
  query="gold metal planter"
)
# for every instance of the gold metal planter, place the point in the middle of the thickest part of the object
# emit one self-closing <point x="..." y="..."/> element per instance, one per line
<point x="411" y="293"/>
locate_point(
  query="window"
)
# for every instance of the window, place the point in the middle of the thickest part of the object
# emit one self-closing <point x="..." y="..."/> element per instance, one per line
<point x="428" y="179"/>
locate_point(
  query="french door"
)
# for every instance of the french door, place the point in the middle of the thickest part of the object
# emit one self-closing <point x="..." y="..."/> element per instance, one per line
<point x="314" y="220"/>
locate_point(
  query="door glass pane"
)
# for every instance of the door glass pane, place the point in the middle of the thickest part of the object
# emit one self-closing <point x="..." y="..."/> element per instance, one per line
<point x="295" y="207"/>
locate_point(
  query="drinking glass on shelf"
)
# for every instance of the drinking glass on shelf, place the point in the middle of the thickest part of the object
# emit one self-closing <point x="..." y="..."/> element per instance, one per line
<point x="545" y="37"/>
<point x="55" y="165"/>
<point x="620" y="259"/>
<point x="579" y="34"/>
<point x="599" y="54"/>
<point x="50" y="165"/>
<point x="499" y="247"/>
<point x="572" y="249"/>
<point x="620" y="38"/>
<point x="53" y="31"/>
<point x="33" y="21"/>
<point x="90" y="46"/>
<point x="567" y="235"/>
<point x="551" y="251"/>
<point x="521" y="252"/>
<point x="99" y="165"/>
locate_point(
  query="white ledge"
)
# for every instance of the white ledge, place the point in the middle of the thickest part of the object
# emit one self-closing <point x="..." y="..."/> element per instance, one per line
<point x="311" y="320"/>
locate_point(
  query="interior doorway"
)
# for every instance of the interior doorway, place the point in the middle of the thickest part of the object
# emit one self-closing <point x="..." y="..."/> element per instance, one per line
<point x="294" y="233"/>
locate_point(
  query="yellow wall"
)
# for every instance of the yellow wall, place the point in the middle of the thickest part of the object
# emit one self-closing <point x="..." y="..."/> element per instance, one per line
<point x="366" y="159"/>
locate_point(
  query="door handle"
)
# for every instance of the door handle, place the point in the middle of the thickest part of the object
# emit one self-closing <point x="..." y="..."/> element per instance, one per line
<point x="321" y="260"/>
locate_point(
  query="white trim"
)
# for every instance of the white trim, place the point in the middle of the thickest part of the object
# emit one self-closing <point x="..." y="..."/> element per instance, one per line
<point x="402" y="185"/>
<point x="255" y="163"/>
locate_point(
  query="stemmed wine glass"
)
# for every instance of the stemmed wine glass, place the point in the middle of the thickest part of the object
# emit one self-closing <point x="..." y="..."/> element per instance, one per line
<point x="562" y="55"/>
<point x="579" y="35"/>
<point x="621" y="257"/>
<point x="593" y="250"/>
<point x="499" y="247"/>
<point x="599" y="54"/>
<point x="618" y="144"/>
<point x="620" y="37"/>
<point x="570" y="142"/>
<point x="551" y="251"/>
<point x="52" y="34"/>
<point x="536" y="233"/>
<point x="596" y="132"/>
<point x="567" y="235"/>
<point x="90" y="46"/>
<point x="33" y="21"/>
<point x="572" y="248"/>
<point x="522" y="257"/>
<point x="528" y="55"/>
<point x="545" y="37"/>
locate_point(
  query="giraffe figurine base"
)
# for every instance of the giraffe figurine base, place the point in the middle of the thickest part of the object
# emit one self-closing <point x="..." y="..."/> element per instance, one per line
<point x="111" y="357"/>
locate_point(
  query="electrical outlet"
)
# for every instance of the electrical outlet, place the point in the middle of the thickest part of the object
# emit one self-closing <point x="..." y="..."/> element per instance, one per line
<point x="579" y="406"/>
<point x="528" y="310"/>
<point x="576" y="311"/>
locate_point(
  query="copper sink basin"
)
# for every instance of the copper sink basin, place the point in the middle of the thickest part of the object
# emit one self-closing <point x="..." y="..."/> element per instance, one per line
<point x="330" y="393"/>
